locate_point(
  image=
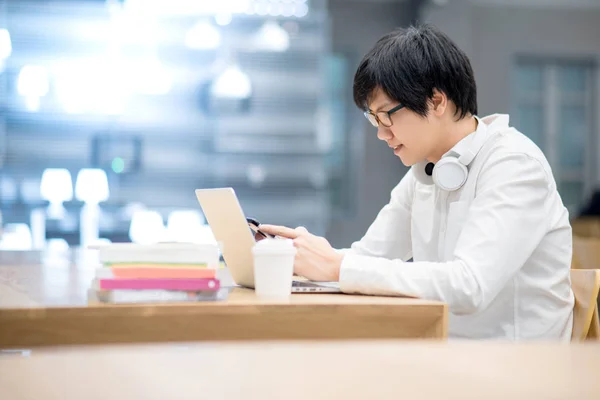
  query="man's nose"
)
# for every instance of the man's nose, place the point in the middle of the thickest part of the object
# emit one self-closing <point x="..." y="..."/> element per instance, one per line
<point x="384" y="133"/>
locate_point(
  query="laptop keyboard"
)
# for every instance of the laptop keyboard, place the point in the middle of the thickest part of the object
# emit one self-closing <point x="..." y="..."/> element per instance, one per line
<point x="304" y="284"/>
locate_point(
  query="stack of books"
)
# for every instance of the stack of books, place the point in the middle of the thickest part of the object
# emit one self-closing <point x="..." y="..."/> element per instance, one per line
<point x="164" y="272"/>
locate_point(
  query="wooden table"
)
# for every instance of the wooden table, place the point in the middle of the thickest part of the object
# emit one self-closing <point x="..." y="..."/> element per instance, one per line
<point x="44" y="302"/>
<point x="305" y="370"/>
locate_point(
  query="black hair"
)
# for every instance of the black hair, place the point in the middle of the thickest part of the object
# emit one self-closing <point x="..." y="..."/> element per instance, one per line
<point x="407" y="64"/>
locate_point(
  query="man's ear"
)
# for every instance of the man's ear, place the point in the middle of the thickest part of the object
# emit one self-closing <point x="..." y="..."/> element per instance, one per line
<point x="438" y="103"/>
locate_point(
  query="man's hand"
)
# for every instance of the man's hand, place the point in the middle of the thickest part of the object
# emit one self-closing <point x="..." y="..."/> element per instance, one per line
<point x="316" y="259"/>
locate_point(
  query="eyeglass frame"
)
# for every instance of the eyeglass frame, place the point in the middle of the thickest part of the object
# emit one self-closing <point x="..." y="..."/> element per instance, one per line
<point x="389" y="114"/>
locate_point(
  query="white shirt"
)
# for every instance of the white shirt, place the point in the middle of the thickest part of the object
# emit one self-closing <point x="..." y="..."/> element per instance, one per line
<point x="497" y="251"/>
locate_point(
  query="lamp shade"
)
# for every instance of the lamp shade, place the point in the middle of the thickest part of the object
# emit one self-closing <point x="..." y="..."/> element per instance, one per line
<point x="56" y="185"/>
<point x="92" y="186"/>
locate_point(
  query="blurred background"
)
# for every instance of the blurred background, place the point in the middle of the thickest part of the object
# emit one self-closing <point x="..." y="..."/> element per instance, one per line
<point x="113" y="112"/>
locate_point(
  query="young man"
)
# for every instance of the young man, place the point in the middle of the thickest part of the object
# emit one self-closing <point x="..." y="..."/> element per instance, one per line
<point x="478" y="212"/>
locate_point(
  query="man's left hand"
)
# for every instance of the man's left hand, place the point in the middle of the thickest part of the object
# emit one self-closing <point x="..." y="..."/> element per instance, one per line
<point x="316" y="259"/>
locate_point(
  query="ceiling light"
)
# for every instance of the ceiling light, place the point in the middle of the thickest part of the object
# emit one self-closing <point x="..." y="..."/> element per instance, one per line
<point x="203" y="36"/>
<point x="272" y="37"/>
<point x="232" y="83"/>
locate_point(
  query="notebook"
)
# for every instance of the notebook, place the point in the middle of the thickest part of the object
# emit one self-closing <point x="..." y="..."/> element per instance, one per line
<point x="161" y="253"/>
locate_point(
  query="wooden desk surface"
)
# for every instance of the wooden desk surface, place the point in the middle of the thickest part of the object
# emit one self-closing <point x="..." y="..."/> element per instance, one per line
<point x="43" y="301"/>
<point x="305" y="370"/>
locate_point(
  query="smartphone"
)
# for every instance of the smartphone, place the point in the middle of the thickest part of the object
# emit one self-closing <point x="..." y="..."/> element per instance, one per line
<point x="257" y="233"/>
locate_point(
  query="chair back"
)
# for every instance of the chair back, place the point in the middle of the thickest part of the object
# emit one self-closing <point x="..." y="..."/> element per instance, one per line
<point x="586" y="285"/>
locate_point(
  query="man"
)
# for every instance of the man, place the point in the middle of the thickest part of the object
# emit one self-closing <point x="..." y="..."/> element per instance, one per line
<point x="478" y="212"/>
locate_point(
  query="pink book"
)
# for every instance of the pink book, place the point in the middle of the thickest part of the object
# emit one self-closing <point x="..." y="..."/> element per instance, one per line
<point x="188" y="285"/>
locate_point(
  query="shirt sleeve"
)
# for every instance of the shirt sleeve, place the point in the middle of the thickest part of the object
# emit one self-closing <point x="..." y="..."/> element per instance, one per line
<point x="389" y="235"/>
<point x="505" y="222"/>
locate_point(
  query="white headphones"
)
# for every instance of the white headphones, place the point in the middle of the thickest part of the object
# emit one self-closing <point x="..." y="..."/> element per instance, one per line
<point x="451" y="172"/>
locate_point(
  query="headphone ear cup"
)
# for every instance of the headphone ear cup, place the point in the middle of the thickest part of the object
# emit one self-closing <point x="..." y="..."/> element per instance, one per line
<point x="449" y="174"/>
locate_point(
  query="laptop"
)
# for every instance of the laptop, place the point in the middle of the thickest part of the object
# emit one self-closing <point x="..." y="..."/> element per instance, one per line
<point x="230" y="228"/>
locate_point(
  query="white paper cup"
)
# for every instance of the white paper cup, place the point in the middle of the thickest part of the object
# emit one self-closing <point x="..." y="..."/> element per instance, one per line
<point x="273" y="267"/>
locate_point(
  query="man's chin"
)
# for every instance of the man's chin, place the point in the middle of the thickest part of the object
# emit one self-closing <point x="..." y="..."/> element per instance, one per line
<point x="405" y="156"/>
<point x="407" y="162"/>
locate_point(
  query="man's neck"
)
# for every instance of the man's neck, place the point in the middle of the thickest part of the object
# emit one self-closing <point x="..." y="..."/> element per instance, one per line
<point x="455" y="132"/>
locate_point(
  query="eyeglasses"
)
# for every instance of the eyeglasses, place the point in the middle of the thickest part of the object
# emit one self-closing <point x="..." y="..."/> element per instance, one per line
<point x="382" y="117"/>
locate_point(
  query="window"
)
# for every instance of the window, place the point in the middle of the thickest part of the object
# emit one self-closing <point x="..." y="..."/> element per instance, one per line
<point x="552" y="104"/>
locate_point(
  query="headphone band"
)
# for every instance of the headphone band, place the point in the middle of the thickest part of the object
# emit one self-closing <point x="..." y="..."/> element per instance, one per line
<point x="479" y="138"/>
